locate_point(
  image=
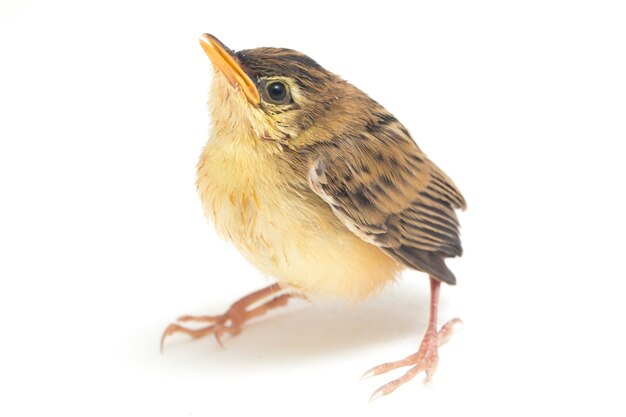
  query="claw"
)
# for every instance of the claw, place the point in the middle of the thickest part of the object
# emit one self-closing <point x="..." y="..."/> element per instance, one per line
<point x="230" y="322"/>
<point x="378" y="393"/>
<point x="163" y="336"/>
<point x="218" y="338"/>
<point x="367" y="375"/>
<point x="425" y="360"/>
<point x="177" y="328"/>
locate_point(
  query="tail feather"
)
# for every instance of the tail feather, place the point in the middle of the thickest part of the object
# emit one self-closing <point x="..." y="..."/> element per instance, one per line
<point x="424" y="261"/>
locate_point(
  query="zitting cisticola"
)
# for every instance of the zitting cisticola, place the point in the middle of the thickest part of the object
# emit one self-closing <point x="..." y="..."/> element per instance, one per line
<point x="319" y="186"/>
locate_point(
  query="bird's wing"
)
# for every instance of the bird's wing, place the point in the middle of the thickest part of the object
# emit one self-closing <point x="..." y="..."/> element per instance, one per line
<point x="388" y="193"/>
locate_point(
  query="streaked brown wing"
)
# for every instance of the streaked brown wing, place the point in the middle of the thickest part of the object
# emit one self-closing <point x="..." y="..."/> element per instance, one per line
<point x="388" y="193"/>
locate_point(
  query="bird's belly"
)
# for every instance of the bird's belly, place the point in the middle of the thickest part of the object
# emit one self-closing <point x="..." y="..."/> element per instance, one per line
<point x="293" y="236"/>
<point x="314" y="255"/>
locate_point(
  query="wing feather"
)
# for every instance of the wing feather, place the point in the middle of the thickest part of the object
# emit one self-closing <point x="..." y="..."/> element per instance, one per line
<point x="386" y="191"/>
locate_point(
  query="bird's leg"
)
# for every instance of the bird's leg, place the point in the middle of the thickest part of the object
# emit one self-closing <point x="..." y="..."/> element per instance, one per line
<point x="426" y="358"/>
<point x="239" y="312"/>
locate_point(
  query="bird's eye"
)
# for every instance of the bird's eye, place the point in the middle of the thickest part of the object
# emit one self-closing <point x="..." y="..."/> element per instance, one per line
<point x="277" y="91"/>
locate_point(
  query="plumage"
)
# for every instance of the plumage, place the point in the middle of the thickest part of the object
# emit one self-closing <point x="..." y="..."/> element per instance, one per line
<point x="320" y="187"/>
<point x="406" y="207"/>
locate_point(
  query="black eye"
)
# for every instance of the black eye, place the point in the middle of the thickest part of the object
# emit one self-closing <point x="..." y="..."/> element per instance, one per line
<point x="277" y="91"/>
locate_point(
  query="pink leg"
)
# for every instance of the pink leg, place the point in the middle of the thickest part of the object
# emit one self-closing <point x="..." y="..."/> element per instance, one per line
<point x="238" y="313"/>
<point x="426" y="358"/>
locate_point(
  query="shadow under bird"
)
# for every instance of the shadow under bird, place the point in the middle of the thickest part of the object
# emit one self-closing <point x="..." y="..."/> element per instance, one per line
<point x="319" y="186"/>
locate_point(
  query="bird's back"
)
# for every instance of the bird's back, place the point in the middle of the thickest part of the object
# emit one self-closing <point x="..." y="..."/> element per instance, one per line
<point x="384" y="188"/>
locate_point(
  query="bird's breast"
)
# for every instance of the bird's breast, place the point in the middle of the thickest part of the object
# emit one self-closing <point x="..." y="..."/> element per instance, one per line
<point x="257" y="201"/>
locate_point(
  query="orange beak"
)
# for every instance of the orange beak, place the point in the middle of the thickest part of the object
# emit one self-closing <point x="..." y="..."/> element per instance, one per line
<point x="227" y="64"/>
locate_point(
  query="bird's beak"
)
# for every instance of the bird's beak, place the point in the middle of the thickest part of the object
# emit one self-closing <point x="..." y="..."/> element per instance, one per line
<point x="227" y="64"/>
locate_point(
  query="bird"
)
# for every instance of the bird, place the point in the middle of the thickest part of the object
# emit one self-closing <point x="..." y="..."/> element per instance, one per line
<point x="320" y="187"/>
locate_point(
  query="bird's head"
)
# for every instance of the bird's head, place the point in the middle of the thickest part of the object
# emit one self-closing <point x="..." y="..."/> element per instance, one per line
<point x="273" y="95"/>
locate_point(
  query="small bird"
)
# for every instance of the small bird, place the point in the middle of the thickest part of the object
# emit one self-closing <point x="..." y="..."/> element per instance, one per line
<point x="319" y="186"/>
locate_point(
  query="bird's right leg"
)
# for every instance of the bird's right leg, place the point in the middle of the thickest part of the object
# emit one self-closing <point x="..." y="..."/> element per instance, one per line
<point x="427" y="357"/>
<point x="248" y="307"/>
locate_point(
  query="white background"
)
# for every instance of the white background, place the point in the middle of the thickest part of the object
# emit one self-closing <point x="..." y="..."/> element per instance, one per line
<point x="103" y="115"/>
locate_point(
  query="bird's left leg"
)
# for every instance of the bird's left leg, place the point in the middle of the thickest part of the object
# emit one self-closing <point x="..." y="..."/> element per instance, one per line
<point x="427" y="357"/>
<point x="249" y="307"/>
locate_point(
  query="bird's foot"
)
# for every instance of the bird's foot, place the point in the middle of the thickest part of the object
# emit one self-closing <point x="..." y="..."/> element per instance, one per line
<point x="426" y="359"/>
<point x="231" y="322"/>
